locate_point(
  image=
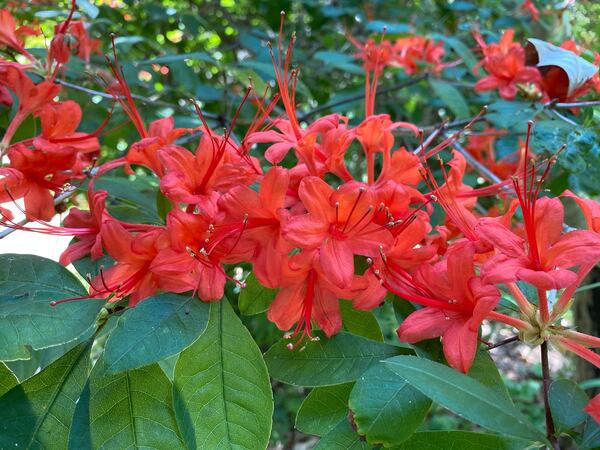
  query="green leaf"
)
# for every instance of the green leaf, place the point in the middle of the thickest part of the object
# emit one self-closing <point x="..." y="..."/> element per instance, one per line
<point x="40" y="359"/>
<point x="255" y="298"/>
<point x="179" y="57"/>
<point x="157" y="328"/>
<point x="506" y="114"/>
<point x="80" y="435"/>
<point x="8" y="380"/>
<point x="451" y="97"/>
<point x="91" y="10"/>
<point x="222" y="393"/>
<point x="361" y="323"/>
<point x="132" y="410"/>
<point x="392" y="27"/>
<point x="323" y="409"/>
<point x="131" y="199"/>
<point x="464" y="396"/>
<point x="342" y="437"/>
<point x="591" y="435"/>
<point x="38" y="413"/>
<point x="28" y="284"/>
<point x="385" y="407"/>
<point x="341" y="359"/>
<point x="463" y="440"/>
<point x="567" y="401"/>
<point x="485" y="371"/>
<point x="460" y="48"/>
<point x="339" y="61"/>
<point x="163" y="205"/>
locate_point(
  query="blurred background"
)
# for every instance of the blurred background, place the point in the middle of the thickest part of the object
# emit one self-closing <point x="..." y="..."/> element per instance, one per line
<point x="174" y="50"/>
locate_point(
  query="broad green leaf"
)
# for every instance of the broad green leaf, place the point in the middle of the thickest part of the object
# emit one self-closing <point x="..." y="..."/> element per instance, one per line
<point x="255" y="298"/>
<point x="385" y="407"/>
<point x="339" y="61"/>
<point x="222" y="393"/>
<point x="28" y="284"/>
<point x="323" y="409"/>
<point x="86" y="266"/>
<point x="361" y="323"/>
<point x="464" y="396"/>
<point x="179" y="57"/>
<point x="40" y="359"/>
<point x="341" y="359"/>
<point x="505" y="114"/>
<point x="391" y="27"/>
<point x="591" y="435"/>
<point x="157" y="328"/>
<point x="342" y="437"/>
<point x="163" y="205"/>
<point x="460" y="48"/>
<point x="567" y="401"/>
<point x="88" y="8"/>
<point x="168" y="366"/>
<point x="485" y="371"/>
<point x="38" y="413"/>
<point x="131" y="199"/>
<point x="80" y="435"/>
<point x="129" y="40"/>
<point x="8" y="380"/>
<point x="451" y="97"/>
<point x="463" y="440"/>
<point x="132" y="410"/>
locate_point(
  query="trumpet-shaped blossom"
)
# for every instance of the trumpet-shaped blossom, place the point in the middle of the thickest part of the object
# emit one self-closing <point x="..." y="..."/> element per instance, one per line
<point x="505" y="64"/>
<point x="338" y="223"/>
<point x="456" y="302"/>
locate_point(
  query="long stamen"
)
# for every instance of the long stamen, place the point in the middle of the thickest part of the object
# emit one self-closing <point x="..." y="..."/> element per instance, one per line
<point x="361" y="191"/>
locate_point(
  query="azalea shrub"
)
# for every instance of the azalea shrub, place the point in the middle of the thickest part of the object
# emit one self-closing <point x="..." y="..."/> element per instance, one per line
<point x="262" y="214"/>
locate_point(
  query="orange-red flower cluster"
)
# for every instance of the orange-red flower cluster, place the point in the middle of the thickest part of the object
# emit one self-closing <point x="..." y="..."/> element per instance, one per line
<point x="508" y="73"/>
<point x="39" y="167"/>
<point x="413" y="53"/>
<point x="317" y="229"/>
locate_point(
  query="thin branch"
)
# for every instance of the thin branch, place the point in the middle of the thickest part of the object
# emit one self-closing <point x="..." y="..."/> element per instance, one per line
<point x="550" y="431"/>
<point x="360" y="96"/>
<point x="581" y="104"/>
<point x="502" y="343"/>
<point x="140" y="98"/>
<point x="67" y="193"/>
<point x="479" y="167"/>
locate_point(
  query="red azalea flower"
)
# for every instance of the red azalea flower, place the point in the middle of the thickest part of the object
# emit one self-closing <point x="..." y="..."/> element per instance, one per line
<point x="198" y="248"/>
<point x="43" y="171"/>
<point x="11" y="36"/>
<point x="375" y="136"/>
<point x="456" y="302"/>
<point x="198" y="179"/>
<point x="32" y="97"/>
<point x="132" y="274"/>
<point x="264" y="215"/>
<point x="505" y="64"/>
<point x="545" y="255"/>
<point x="340" y="223"/>
<point x="529" y="7"/>
<point x="306" y="295"/>
<point x="59" y="122"/>
<point x="86" y="226"/>
<point x="412" y="50"/>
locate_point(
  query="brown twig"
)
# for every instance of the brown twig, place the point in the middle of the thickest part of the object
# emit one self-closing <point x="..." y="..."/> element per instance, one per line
<point x="550" y="431"/>
<point x="360" y="96"/>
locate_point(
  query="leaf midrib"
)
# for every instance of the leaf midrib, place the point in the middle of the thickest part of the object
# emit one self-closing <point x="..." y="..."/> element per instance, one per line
<point x="54" y="396"/>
